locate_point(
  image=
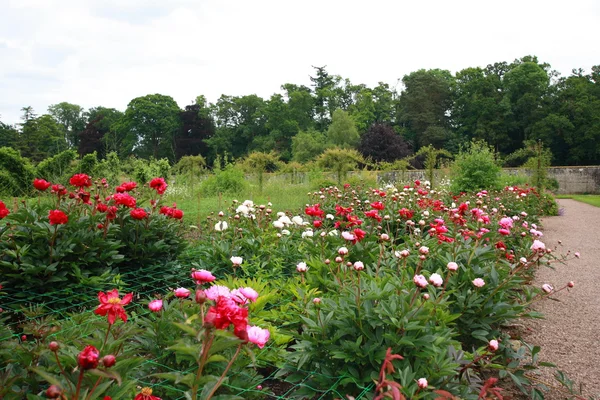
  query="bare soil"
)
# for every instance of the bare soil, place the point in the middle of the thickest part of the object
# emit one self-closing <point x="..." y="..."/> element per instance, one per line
<point x="569" y="333"/>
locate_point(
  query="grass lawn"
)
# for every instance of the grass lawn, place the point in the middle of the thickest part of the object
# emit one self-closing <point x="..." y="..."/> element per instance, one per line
<point x="593" y="199"/>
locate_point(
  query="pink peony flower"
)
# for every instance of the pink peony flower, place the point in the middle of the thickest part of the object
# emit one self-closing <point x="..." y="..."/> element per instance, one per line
<point x="493" y="345"/>
<point x="216" y="291"/>
<point x="182" y="293"/>
<point x="422" y="382"/>
<point x="202" y="276"/>
<point x="359" y="266"/>
<point x="452" y="266"/>
<point x="258" y="336"/>
<point x="478" y="282"/>
<point x="236" y="261"/>
<point x="249" y="293"/>
<point x="538" y="246"/>
<point x="301" y="267"/>
<point x="317" y="300"/>
<point x="155" y="305"/>
<point x="424" y="250"/>
<point x="506" y="223"/>
<point x="348" y="236"/>
<point x="436" y="280"/>
<point x="342" y="251"/>
<point x="504" y="232"/>
<point x="420" y="281"/>
<point x="385" y="237"/>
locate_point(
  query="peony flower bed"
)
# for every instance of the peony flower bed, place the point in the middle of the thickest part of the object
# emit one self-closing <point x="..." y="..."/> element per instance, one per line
<point x="366" y="293"/>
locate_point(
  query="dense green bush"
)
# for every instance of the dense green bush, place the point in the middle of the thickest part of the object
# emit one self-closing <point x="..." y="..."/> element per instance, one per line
<point x="58" y="167"/>
<point x="16" y="173"/>
<point x="475" y="168"/>
<point x="230" y="180"/>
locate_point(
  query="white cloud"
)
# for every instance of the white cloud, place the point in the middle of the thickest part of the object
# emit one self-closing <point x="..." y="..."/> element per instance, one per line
<point x="106" y="52"/>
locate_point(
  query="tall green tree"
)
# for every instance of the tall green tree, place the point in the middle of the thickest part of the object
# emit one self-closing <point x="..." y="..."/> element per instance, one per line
<point x="425" y="105"/>
<point x="100" y="133"/>
<point x="8" y="136"/>
<point x="342" y="132"/>
<point x="308" y="145"/>
<point x="72" y="119"/>
<point x="40" y="137"/>
<point x="151" y="123"/>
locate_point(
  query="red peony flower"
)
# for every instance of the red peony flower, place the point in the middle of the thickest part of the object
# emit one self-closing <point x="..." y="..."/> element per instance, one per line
<point x="343" y="211"/>
<point x="124" y="199"/>
<point x="377" y="205"/>
<point x="111" y="304"/>
<point x="227" y="312"/>
<point x="317" y="223"/>
<point x="359" y="235"/>
<point x="59" y="190"/>
<point x="138" y="213"/>
<point x="3" y="210"/>
<point x="88" y="358"/>
<point x="129" y="186"/>
<point x="146" y="394"/>
<point x="41" y="184"/>
<point x="314" y="211"/>
<point x="159" y="185"/>
<point x="373" y="214"/>
<point x="406" y="213"/>
<point x="111" y="213"/>
<point x="57" y="217"/>
<point x="80" y="180"/>
<point x="177" y="214"/>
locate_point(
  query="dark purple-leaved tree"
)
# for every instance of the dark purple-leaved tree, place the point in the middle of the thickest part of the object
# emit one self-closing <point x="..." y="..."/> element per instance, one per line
<point x="382" y="143"/>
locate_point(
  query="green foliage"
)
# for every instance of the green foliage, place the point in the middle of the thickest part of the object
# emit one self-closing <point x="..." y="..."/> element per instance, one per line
<point x="307" y="145"/>
<point x="190" y="166"/>
<point x="230" y="180"/>
<point x="57" y="167"/>
<point x="340" y="161"/>
<point x="475" y="168"/>
<point x="144" y="170"/>
<point x="88" y="163"/>
<point x="16" y="173"/>
<point x="342" y="132"/>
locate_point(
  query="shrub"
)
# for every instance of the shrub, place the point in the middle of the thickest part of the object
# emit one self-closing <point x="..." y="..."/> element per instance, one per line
<point x="16" y="173"/>
<point x="230" y="180"/>
<point x="475" y="168"/>
<point x="57" y="167"/>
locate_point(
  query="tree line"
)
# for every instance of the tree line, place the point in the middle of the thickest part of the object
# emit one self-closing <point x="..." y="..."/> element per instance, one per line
<point x="508" y="105"/>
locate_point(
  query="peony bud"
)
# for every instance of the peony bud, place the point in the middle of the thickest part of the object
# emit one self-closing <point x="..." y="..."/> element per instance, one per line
<point x="109" y="360"/>
<point x="493" y="345"/>
<point x="200" y="296"/>
<point x="53" y="346"/>
<point x="53" y="392"/>
<point x="88" y="358"/>
<point x="422" y="382"/>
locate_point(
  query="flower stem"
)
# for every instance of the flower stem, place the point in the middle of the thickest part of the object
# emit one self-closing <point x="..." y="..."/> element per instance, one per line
<point x="62" y="370"/>
<point x="214" y="389"/>
<point x="76" y="397"/>
<point x="89" y="396"/>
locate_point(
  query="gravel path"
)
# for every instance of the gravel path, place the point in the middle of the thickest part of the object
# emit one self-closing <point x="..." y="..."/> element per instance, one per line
<point x="569" y="334"/>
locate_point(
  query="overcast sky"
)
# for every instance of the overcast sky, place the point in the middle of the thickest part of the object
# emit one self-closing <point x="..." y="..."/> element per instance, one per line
<point x="107" y="52"/>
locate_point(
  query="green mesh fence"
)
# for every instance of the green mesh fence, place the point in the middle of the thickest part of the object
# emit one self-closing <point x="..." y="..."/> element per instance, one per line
<point x="61" y="303"/>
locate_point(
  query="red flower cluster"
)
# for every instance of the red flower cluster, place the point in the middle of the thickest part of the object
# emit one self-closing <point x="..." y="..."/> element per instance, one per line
<point x="227" y="312"/>
<point x="146" y="394"/>
<point x="57" y="217"/>
<point x="3" y="210"/>
<point x="138" y="213"/>
<point x="124" y="199"/>
<point x="88" y="358"/>
<point x="80" y="180"/>
<point x="59" y="190"/>
<point x="314" y="211"/>
<point x="41" y="184"/>
<point x="126" y="187"/>
<point x="377" y="205"/>
<point x="171" y="212"/>
<point x="159" y="185"/>
<point x="406" y="213"/>
<point x="111" y="304"/>
<point x="373" y="214"/>
<point x="343" y="211"/>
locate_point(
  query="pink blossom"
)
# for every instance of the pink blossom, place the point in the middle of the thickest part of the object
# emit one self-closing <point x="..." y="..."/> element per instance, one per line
<point x="420" y="281"/>
<point x="402" y="254"/>
<point x="155" y="305"/>
<point x="236" y="261"/>
<point x="342" y="251"/>
<point x="301" y="267"/>
<point x="493" y="345"/>
<point x="506" y="223"/>
<point x="249" y="293"/>
<point x="436" y="280"/>
<point x="452" y="266"/>
<point x="538" y="246"/>
<point x="424" y="250"/>
<point x="257" y="335"/>
<point x="478" y="282"/>
<point x="202" y="276"/>
<point x="385" y="237"/>
<point x="348" y="236"/>
<point x="426" y="296"/>
<point x="216" y="291"/>
<point x="182" y="293"/>
<point x="504" y="232"/>
<point x="422" y="382"/>
<point x="359" y="266"/>
<point x="317" y="300"/>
